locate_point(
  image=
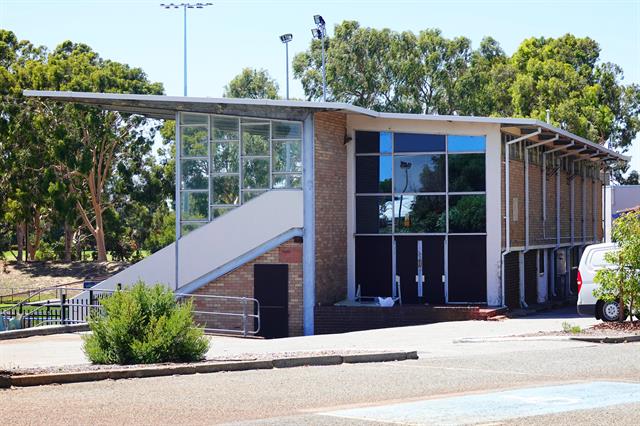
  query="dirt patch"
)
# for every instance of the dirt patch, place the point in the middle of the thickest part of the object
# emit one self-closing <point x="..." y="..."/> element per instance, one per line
<point x="603" y="329"/>
<point x="34" y="275"/>
<point x="626" y="328"/>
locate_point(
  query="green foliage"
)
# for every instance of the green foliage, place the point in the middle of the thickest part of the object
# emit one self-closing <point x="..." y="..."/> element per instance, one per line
<point x="622" y="282"/>
<point x="63" y="166"/>
<point x="143" y="325"/>
<point x="429" y="73"/>
<point x="252" y="83"/>
<point x="567" y="327"/>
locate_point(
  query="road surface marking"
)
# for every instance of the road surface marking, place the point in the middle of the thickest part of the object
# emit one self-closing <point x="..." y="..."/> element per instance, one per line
<point x="498" y="406"/>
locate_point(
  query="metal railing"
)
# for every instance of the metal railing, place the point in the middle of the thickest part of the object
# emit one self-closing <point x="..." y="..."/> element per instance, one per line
<point x="73" y="305"/>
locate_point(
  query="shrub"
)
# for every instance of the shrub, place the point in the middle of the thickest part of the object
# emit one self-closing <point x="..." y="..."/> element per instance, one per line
<point x="622" y="281"/>
<point x="143" y="325"/>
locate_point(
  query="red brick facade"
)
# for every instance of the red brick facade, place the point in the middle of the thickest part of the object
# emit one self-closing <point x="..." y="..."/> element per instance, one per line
<point x="331" y="207"/>
<point x="543" y="232"/>
<point x="239" y="282"/>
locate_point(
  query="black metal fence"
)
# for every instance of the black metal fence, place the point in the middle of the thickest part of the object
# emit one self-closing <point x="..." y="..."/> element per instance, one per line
<point x="64" y="308"/>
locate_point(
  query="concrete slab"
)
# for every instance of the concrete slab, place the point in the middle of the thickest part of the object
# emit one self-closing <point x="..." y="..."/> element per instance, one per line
<point x="431" y="340"/>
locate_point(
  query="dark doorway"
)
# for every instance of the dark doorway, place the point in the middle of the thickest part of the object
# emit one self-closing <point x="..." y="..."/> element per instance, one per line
<point x="432" y="268"/>
<point x="271" y="288"/>
<point x="512" y="280"/>
<point x="467" y="268"/>
<point x="373" y="265"/>
<point x="530" y="277"/>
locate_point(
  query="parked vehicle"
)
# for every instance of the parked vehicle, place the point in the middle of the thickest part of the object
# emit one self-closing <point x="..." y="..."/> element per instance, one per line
<point x="592" y="261"/>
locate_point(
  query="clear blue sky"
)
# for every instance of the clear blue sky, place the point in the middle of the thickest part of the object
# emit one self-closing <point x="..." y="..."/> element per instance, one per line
<point x="234" y="34"/>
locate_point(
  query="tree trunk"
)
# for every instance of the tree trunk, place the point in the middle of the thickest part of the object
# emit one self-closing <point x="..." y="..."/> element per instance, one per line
<point x="26" y="240"/>
<point x="68" y="235"/>
<point x="621" y="303"/>
<point x="100" y="244"/>
<point x="20" y="241"/>
<point x="32" y="247"/>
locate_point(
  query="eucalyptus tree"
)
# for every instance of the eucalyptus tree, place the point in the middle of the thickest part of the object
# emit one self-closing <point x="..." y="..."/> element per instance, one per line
<point x="252" y="83"/>
<point x="92" y="144"/>
<point x="23" y="152"/>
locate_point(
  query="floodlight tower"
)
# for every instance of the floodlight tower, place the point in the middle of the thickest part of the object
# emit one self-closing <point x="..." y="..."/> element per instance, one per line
<point x="286" y="38"/>
<point x="320" y="32"/>
<point x="184" y="7"/>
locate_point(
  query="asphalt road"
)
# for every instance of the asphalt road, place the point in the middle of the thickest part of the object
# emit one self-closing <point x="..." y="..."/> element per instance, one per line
<point x="320" y="395"/>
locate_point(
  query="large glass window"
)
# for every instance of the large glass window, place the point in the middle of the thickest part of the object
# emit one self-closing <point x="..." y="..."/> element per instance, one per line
<point x="227" y="161"/>
<point x="409" y="183"/>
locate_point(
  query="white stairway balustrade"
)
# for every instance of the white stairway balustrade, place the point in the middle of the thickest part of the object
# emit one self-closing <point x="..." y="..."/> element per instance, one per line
<point x="215" y="248"/>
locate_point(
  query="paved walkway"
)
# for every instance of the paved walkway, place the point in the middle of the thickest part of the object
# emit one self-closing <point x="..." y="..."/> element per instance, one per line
<point x="431" y="341"/>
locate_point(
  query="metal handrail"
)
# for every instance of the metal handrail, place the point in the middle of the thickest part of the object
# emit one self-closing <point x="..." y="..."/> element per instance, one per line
<point x="64" y="303"/>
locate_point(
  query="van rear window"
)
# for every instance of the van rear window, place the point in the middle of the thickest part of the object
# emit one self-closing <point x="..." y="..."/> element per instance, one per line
<point x="597" y="258"/>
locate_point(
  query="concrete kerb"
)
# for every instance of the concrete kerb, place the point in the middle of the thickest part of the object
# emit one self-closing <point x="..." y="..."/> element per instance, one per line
<point x="8" y="380"/>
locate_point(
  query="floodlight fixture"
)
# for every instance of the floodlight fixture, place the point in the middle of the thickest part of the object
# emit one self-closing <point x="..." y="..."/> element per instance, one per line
<point x="286" y="38"/>
<point x="318" y="19"/>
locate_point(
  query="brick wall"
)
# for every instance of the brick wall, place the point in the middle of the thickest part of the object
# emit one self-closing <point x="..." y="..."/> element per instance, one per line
<point x="331" y="207"/>
<point x="342" y="319"/>
<point x="544" y="232"/>
<point x="565" y="207"/>
<point x="577" y="223"/>
<point x="239" y="282"/>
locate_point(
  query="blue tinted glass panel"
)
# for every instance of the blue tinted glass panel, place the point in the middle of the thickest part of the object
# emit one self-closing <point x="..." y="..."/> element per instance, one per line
<point x="386" y="141"/>
<point x="417" y="142"/>
<point x="466" y="143"/>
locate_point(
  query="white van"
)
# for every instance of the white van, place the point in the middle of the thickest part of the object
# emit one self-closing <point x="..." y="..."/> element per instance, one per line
<point x="591" y="261"/>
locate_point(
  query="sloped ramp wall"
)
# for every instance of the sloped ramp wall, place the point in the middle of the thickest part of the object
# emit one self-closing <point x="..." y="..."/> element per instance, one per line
<point x="216" y="245"/>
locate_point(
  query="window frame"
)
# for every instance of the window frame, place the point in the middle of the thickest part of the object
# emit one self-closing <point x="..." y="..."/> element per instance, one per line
<point x="395" y="196"/>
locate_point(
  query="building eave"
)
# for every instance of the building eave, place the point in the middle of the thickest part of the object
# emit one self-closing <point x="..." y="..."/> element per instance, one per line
<point x="165" y="107"/>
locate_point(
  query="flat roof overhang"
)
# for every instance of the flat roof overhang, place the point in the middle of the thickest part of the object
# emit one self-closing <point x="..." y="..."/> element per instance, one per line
<point x="166" y="107"/>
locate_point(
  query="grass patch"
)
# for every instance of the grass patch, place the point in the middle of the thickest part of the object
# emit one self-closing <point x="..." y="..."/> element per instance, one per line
<point x="567" y="327"/>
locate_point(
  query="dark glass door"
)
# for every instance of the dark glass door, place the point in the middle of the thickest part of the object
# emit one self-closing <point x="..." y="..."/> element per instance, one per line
<point x="407" y="264"/>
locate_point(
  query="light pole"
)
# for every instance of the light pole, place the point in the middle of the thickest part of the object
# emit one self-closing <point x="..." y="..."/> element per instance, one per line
<point x="286" y="38"/>
<point x="184" y="7"/>
<point x="320" y="33"/>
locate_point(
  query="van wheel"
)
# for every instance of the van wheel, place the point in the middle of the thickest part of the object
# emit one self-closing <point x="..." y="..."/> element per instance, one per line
<point x="610" y="311"/>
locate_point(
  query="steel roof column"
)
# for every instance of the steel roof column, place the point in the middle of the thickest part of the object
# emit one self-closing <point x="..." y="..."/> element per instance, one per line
<point x="178" y="206"/>
<point x="309" y="239"/>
